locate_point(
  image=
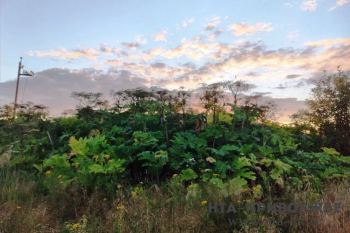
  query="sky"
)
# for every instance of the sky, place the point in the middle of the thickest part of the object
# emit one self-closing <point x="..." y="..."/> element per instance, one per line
<point x="96" y="46"/>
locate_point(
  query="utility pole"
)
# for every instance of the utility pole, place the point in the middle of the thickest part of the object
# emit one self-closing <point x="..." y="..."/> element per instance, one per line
<point x="25" y="73"/>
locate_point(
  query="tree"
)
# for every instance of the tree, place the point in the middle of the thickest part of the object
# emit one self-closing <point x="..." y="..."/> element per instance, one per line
<point x="236" y="88"/>
<point x="212" y="99"/>
<point x="330" y="110"/>
<point x="87" y="99"/>
<point x="87" y="102"/>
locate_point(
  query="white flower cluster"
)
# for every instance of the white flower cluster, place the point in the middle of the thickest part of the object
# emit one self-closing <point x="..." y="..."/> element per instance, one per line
<point x="192" y="161"/>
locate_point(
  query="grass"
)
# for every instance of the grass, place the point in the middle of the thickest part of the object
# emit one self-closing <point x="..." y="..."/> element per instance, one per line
<point x="26" y="207"/>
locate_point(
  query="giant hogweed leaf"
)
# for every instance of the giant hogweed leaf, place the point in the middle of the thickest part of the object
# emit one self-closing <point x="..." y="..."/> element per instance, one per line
<point x="328" y="172"/>
<point x="188" y="174"/>
<point x="221" y="168"/>
<point x="57" y="161"/>
<point x="274" y="174"/>
<point x="246" y="174"/>
<point x="217" y="182"/>
<point x="237" y="186"/>
<point x="225" y="150"/>
<point x="115" y="167"/>
<point x="96" y="168"/>
<point x="266" y="161"/>
<point x="96" y="144"/>
<point x="79" y="147"/>
<point x="330" y="151"/>
<point x="267" y="151"/>
<point x="323" y="158"/>
<point x="281" y="166"/>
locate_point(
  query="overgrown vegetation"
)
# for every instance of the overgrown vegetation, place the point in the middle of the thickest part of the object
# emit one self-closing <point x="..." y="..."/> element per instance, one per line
<point x="151" y="164"/>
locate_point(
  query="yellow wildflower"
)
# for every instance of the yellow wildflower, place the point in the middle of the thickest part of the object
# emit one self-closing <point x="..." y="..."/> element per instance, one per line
<point x="119" y="186"/>
<point x="175" y="175"/>
<point x="59" y="176"/>
<point x="75" y="225"/>
<point x="48" y="172"/>
<point x="191" y="186"/>
<point x="215" y="174"/>
<point x="120" y="207"/>
<point x="134" y="194"/>
<point x="18" y="207"/>
<point x="104" y="199"/>
<point x="110" y="161"/>
<point x="107" y="156"/>
<point x="95" y="157"/>
<point x="51" y="166"/>
<point x="61" y="182"/>
<point x="178" y="184"/>
<point x="204" y="202"/>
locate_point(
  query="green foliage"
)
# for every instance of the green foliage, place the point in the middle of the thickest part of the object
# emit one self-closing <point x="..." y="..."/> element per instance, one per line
<point x="142" y="140"/>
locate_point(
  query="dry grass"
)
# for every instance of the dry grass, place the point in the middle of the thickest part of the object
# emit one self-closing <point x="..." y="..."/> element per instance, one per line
<point x="22" y="209"/>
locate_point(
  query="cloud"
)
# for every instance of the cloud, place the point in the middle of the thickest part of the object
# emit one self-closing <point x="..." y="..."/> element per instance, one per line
<point x="190" y="20"/>
<point x="281" y="87"/>
<point x="309" y="5"/>
<point x="160" y="36"/>
<point x="211" y="37"/>
<point x="288" y="4"/>
<point x="52" y="87"/>
<point x="211" y="26"/>
<point x="62" y="53"/>
<point x="247" y="29"/>
<point x="293" y="35"/>
<point x="185" y="23"/>
<point x="339" y="3"/>
<point x="239" y="41"/>
<point x="132" y="46"/>
<point x="139" y="40"/>
<point x="292" y="76"/>
<point x="105" y="49"/>
<point x="328" y="43"/>
<point x="252" y="74"/>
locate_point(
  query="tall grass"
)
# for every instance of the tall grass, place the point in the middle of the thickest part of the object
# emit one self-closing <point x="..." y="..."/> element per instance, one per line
<point x="25" y="206"/>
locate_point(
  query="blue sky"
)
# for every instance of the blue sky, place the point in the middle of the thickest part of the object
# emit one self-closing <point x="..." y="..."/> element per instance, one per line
<point x="277" y="45"/>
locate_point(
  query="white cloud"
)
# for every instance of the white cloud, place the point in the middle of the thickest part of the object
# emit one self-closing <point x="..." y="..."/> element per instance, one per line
<point x="240" y="29"/>
<point x="160" y="36"/>
<point x="63" y="54"/>
<point x="339" y="3"/>
<point x="239" y="41"/>
<point x="190" y="20"/>
<point x="293" y="34"/>
<point x="288" y="4"/>
<point x="309" y="5"/>
<point x="210" y="26"/>
<point x="139" y="39"/>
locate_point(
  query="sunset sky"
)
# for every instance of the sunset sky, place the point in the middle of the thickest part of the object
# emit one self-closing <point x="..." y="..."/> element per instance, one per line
<point x="279" y="46"/>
